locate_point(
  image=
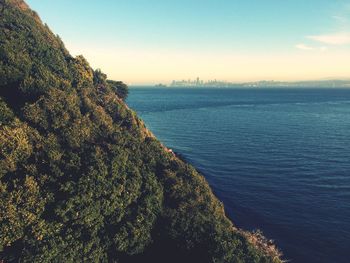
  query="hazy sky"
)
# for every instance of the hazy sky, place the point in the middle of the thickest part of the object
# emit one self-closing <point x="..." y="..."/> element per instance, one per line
<point x="151" y="41"/>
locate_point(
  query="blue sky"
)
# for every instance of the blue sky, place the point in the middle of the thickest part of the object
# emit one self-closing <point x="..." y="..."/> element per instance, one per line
<point x="148" y="41"/>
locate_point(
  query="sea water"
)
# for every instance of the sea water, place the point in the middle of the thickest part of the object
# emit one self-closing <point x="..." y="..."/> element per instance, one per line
<point x="278" y="158"/>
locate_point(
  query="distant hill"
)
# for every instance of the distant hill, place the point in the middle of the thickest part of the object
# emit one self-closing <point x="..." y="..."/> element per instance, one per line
<point x="82" y="179"/>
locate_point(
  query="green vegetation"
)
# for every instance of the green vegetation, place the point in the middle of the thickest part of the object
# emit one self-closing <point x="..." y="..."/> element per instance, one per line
<point x="120" y="88"/>
<point x="81" y="178"/>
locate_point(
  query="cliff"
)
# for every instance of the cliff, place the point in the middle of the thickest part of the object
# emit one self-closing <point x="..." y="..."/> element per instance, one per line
<point x="82" y="179"/>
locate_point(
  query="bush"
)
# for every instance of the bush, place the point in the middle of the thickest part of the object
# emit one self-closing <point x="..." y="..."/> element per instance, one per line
<point x="81" y="178"/>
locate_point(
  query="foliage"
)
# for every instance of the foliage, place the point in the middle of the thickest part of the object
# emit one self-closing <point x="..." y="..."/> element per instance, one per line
<point x="81" y="178"/>
<point x="100" y="78"/>
<point x="120" y="88"/>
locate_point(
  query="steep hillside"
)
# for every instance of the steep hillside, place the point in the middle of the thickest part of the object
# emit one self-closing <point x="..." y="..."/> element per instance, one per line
<point x="82" y="179"/>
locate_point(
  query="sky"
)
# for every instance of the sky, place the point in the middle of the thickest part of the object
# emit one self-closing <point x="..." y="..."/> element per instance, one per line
<point x="157" y="41"/>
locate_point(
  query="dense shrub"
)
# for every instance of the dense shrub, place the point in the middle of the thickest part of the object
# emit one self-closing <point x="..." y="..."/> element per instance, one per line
<point x="81" y="178"/>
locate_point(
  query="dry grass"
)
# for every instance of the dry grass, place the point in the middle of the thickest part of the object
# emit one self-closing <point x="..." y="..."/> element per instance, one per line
<point x="267" y="246"/>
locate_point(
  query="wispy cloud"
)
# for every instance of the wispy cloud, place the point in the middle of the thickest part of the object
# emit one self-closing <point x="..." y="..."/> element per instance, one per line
<point x="342" y="38"/>
<point x="341" y="19"/>
<point x="310" y="48"/>
<point x="304" y="47"/>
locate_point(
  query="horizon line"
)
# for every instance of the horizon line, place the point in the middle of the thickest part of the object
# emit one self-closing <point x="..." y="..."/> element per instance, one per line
<point x="239" y="82"/>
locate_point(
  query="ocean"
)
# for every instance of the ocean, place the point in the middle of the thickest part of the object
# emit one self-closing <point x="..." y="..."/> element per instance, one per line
<point x="278" y="158"/>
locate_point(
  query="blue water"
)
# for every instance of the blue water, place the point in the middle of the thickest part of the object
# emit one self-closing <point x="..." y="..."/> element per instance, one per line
<point x="279" y="159"/>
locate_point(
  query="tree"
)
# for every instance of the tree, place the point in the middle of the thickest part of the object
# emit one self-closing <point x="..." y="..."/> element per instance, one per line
<point x="120" y="88"/>
<point x="99" y="77"/>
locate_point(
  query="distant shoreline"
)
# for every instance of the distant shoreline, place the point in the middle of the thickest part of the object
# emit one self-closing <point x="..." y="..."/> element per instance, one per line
<point x="238" y="87"/>
<point x="332" y="83"/>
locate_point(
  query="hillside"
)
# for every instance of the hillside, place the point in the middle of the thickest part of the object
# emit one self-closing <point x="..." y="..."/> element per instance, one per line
<point x="82" y="179"/>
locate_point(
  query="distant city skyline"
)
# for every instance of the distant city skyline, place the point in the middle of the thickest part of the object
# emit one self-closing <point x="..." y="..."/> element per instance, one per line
<point x="150" y="41"/>
<point x="345" y="83"/>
